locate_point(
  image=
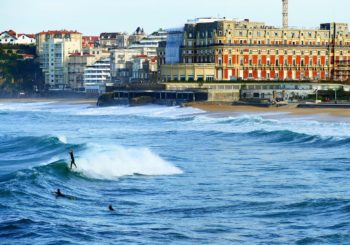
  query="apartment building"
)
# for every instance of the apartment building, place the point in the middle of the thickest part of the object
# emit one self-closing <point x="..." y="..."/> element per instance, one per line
<point x="54" y="48"/>
<point x="223" y="49"/>
<point x="76" y="68"/>
<point x="114" y="40"/>
<point x="97" y="77"/>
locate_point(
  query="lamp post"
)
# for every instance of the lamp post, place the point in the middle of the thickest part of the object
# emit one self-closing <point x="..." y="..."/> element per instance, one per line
<point x="335" y="96"/>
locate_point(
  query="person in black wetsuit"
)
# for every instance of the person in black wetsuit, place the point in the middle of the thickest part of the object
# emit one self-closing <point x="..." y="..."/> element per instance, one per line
<point x="58" y="193"/>
<point x="110" y="207"/>
<point x="72" y="162"/>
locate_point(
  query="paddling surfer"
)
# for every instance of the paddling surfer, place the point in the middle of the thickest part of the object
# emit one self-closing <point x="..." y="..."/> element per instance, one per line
<point x="110" y="207"/>
<point x="72" y="162"/>
<point x="58" y="193"/>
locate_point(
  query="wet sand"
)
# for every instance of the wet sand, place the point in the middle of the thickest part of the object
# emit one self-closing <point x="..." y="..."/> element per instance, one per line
<point x="290" y="109"/>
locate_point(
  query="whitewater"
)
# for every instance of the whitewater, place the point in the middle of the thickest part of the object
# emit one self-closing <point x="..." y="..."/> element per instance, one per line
<point x="174" y="175"/>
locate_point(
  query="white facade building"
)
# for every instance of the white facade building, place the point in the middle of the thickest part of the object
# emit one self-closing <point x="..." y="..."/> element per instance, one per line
<point x="7" y="38"/>
<point x="119" y="58"/>
<point x="25" y="39"/>
<point x="55" y="60"/>
<point x="54" y="49"/>
<point x="97" y="77"/>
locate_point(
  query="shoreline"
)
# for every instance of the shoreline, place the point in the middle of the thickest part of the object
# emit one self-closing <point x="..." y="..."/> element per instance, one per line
<point x="288" y="109"/>
<point x="215" y="107"/>
<point x="91" y="101"/>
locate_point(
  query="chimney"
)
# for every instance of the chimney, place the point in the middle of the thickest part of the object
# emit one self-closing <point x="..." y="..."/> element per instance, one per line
<point x="285" y="13"/>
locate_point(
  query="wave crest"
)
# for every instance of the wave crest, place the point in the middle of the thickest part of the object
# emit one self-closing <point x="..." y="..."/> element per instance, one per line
<point x="118" y="161"/>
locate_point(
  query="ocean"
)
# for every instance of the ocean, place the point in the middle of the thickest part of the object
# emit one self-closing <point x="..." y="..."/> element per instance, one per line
<point x="173" y="175"/>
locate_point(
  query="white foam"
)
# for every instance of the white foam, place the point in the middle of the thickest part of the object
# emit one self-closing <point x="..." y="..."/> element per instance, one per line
<point x="24" y="106"/>
<point x="63" y="139"/>
<point x="113" y="162"/>
<point x="146" y="111"/>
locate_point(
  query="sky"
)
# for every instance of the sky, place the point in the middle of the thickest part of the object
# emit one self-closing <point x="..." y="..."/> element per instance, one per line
<point x="91" y="17"/>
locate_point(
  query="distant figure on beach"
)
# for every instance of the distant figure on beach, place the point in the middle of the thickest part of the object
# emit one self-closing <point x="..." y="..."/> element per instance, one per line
<point x="72" y="162"/>
<point x="110" y="207"/>
<point x="58" y="193"/>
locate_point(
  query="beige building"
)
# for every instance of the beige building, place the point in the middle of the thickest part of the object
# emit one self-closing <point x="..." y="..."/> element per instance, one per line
<point x="98" y="52"/>
<point x="245" y="50"/>
<point x="73" y="36"/>
<point x="189" y="72"/>
<point x="54" y="48"/>
<point x="76" y="66"/>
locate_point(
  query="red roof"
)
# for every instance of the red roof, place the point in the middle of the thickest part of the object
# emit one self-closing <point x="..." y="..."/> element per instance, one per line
<point x="91" y="38"/>
<point x="141" y="56"/>
<point x="13" y="33"/>
<point x="28" y="35"/>
<point x="27" y="55"/>
<point x="59" y="32"/>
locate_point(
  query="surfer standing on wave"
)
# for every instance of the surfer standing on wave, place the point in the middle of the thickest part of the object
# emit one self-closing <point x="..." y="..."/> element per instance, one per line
<point x="71" y="153"/>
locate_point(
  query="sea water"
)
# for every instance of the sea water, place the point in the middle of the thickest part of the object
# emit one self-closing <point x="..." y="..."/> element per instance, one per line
<point x="173" y="175"/>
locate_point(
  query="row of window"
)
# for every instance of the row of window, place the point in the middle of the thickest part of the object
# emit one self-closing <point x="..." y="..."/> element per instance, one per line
<point x="277" y="63"/>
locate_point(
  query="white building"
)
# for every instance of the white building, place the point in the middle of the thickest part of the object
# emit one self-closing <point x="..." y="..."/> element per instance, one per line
<point x="26" y="39"/>
<point x="97" y="77"/>
<point x="149" y="44"/>
<point x="119" y="58"/>
<point x="55" y="60"/>
<point x="8" y="37"/>
<point x="54" y="48"/>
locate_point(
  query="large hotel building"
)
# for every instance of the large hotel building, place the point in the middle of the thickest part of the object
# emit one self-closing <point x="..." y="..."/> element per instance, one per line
<point x="210" y="49"/>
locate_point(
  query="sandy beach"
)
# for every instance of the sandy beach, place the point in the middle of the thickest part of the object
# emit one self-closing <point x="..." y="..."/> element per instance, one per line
<point x="291" y="109"/>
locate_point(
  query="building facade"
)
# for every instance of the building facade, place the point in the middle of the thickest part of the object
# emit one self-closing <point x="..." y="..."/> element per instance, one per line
<point x="244" y="50"/>
<point x="54" y="48"/>
<point x="97" y="76"/>
<point x="8" y="37"/>
<point x="26" y="39"/>
<point x="121" y="63"/>
<point x="114" y="40"/>
<point x="76" y="68"/>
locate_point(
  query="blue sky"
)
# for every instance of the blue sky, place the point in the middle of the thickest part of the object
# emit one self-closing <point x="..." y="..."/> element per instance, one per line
<point x="92" y="17"/>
